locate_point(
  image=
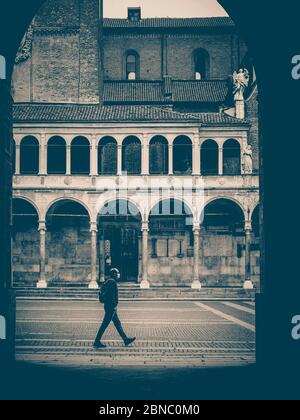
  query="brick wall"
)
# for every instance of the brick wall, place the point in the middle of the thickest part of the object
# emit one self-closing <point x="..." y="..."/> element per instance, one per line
<point x="252" y="116"/>
<point x="225" y="55"/>
<point x="64" y="62"/>
<point x="149" y="49"/>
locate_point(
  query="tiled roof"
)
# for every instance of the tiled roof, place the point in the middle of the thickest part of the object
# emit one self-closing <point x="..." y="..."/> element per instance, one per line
<point x="200" y="91"/>
<point x="94" y="113"/>
<point x="118" y="92"/>
<point x="162" y="23"/>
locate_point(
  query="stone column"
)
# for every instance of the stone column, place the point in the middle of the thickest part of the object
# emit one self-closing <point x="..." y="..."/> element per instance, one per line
<point x="68" y="166"/>
<point x="43" y="156"/>
<point x="248" y="285"/>
<point x="94" y="157"/>
<point x="93" y="283"/>
<point x="221" y="159"/>
<point x="119" y="159"/>
<point x="102" y="258"/>
<point x="42" y="283"/>
<point x="171" y="169"/>
<point x="196" y="281"/>
<point x="18" y="160"/>
<point x="145" y="155"/>
<point x="145" y="229"/>
<point x="196" y="155"/>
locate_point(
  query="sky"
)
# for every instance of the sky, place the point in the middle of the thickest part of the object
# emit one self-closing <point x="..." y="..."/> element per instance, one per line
<point x="164" y="8"/>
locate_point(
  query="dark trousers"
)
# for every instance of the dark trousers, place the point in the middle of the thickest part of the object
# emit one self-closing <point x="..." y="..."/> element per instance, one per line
<point x="110" y="315"/>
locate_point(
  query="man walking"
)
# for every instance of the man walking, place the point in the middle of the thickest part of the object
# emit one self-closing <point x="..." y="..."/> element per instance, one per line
<point x="109" y="295"/>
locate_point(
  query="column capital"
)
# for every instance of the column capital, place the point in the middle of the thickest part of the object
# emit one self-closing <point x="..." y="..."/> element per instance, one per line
<point x="145" y="226"/>
<point x="196" y="227"/>
<point x="42" y="226"/>
<point x="248" y="226"/>
<point x="93" y="227"/>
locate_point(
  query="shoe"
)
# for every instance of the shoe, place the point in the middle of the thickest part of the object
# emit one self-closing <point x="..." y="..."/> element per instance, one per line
<point x="99" y="345"/>
<point x="129" y="341"/>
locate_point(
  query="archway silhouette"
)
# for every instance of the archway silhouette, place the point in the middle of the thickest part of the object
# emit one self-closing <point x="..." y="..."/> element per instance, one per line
<point x="239" y="13"/>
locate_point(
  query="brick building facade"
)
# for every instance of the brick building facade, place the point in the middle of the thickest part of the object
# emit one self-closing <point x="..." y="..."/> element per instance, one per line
<point x="130" y="151"/>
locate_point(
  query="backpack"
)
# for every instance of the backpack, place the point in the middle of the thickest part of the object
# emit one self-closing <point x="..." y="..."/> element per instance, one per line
<point x="103" y="293"/>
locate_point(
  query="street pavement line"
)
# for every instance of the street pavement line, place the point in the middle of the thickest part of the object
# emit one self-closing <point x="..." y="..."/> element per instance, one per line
<point x="227" y="317"/>
<point x="240" y="307"/>
<point x="144" y="322"/>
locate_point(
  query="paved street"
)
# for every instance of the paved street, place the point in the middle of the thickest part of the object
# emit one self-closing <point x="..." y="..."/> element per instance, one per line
<point x="169" y="333"/>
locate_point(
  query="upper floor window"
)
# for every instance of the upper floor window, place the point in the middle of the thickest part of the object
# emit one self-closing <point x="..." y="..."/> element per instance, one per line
<point x="131" y="65"/>
<point x="134" y="14"/>
<point x="201" y="64"/>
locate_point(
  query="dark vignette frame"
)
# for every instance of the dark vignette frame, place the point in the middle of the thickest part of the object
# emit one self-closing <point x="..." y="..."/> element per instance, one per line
<point x="271" y="33"/>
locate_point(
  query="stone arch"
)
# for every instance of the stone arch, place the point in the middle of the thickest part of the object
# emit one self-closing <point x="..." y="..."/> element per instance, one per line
<point x="71" y="199"/>
<point x="232" y="157"/>
<point x="119" y="226"/>
<point x="158" y="156"/>
<point x="80" y="156"/>
<point x="25" y="249"/>
<point x="29" y="155"/>
<point x="182" y="155"/>
<point x="132" y="155"/>
<point x="210" y="158"/>
<point x="107" y="156"/>
<point x="68" y="244"/>
<point x="56" y="156"/>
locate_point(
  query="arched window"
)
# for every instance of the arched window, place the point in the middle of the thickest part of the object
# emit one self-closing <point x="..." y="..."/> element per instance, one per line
<point x="232" y="158"/>
<point x="107" y="156"/>
<point x="210" y="158"/>
<point x="56" y="156"/>
<point x="80" y="156"/>
<point x="132" y="61"/>
<point x="182" y="156"/>
<point x="29" y="156"/>
<point x="159" y="156"/>
<point x="132" y="156"/>
<point x="201" y="64"/>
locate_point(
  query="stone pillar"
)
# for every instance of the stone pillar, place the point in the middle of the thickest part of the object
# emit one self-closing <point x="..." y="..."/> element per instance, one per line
<point x="240" y="109"/>
<point x="248" y="285"/>
<point x="221" y="159"/>
<point x="18" y="160"/>
<point x="196" y="281"/>
<point x="43" y="156"/>
<point x="145" y="229"/>
<point x="102" y="258"/>
<point x="140" y="277"/>
<point x="196" y="155"/>
<point x="68" y="166"/>
<point x="94" y="157"/>
<point x="145" y="156"/>
<point x="42" y="283"/>
<point x="171" y="169"/>
<point x="119" y="159"/>
<point x="93" y="283"/>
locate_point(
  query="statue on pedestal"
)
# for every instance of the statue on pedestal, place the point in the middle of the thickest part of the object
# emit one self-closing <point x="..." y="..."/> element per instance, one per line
<point x="248" y="160"/>
<point x="240" y="81"/>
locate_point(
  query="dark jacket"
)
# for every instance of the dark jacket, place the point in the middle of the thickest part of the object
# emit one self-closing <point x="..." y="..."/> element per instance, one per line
<point x="111" y="293"/>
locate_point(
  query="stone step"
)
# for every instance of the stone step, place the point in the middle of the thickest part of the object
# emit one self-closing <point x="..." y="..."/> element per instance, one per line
<point x="135" y="293"/>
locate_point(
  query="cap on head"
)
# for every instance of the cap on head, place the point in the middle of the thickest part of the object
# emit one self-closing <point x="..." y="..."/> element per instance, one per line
<point x="114" y="272"/>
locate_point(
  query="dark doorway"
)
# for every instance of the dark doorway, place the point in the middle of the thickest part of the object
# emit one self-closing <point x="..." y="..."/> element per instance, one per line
<point x="120" y="223"/>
